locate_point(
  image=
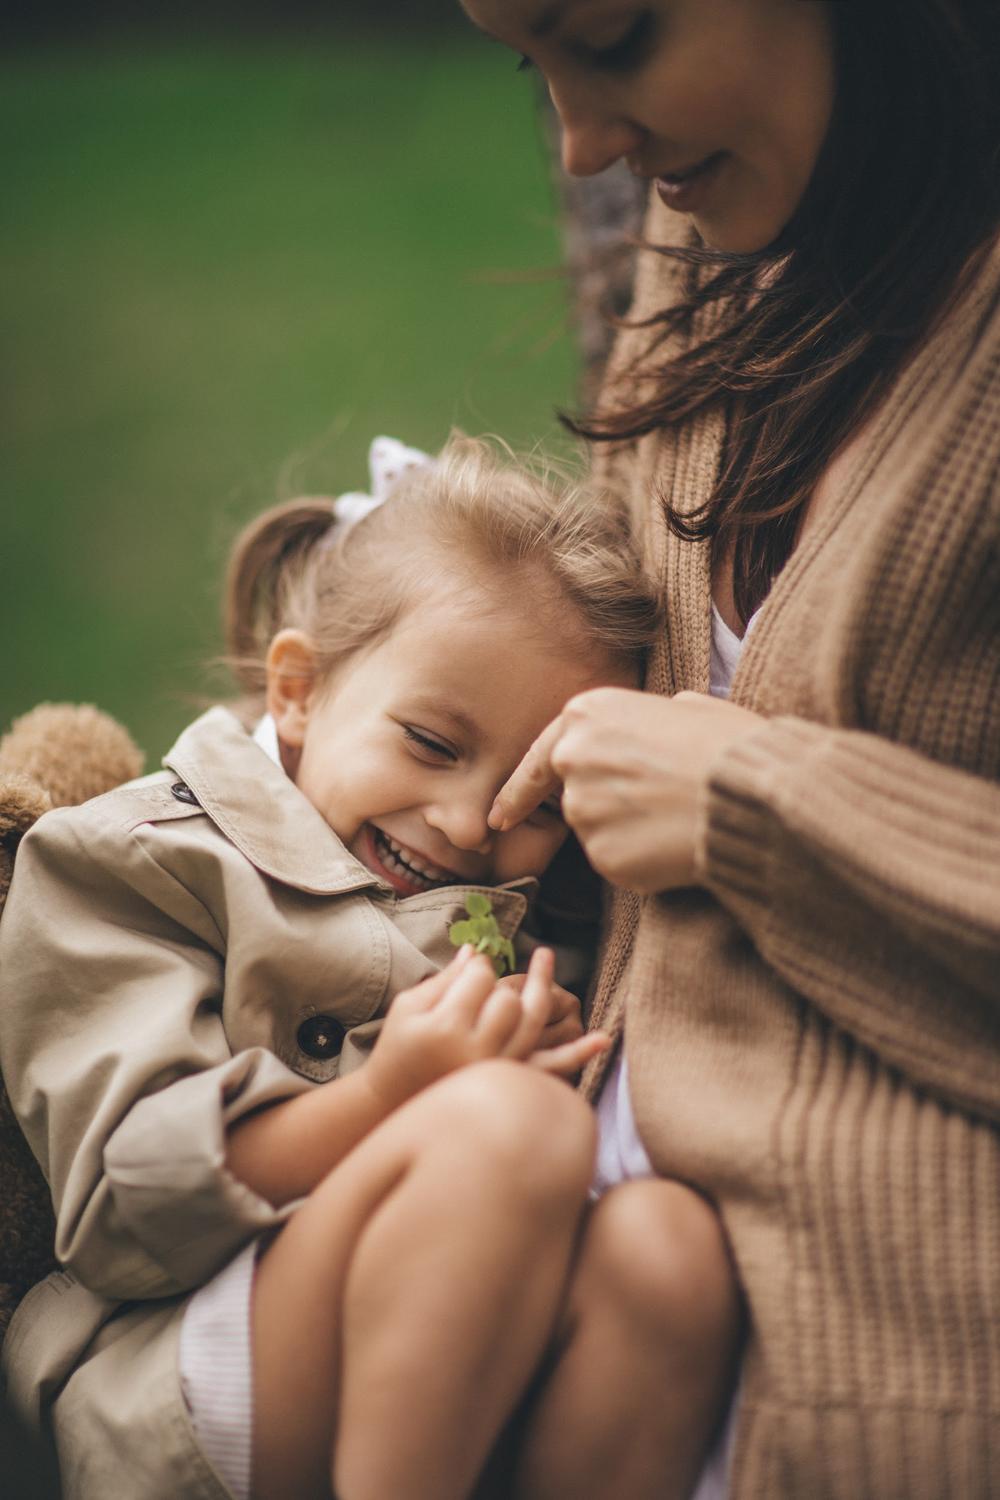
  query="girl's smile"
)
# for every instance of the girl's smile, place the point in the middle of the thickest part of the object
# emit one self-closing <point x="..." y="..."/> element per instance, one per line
<point x="405" y="869"/>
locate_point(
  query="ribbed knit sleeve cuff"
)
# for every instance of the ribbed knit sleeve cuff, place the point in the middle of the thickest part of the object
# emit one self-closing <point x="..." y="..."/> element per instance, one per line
<point x="740" y="826"/>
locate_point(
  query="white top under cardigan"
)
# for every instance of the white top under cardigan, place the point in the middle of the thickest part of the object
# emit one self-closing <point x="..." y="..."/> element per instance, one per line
<point x="621" y="1156"/>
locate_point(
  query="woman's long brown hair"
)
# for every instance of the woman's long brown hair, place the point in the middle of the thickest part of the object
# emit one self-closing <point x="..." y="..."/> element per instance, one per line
<point x="904" y="200"/>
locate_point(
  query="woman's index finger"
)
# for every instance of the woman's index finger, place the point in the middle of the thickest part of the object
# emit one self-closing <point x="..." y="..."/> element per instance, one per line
<point x="533" y="781"/>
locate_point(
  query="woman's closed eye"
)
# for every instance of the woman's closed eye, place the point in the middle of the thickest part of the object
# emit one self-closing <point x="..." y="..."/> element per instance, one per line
<point x="619" y="55"/>
<point x="427" y="747"/>
<point x="627" y="50"/>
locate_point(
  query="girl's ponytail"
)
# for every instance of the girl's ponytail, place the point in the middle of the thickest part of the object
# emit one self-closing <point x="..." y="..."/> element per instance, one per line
<point x="269" y="557"/>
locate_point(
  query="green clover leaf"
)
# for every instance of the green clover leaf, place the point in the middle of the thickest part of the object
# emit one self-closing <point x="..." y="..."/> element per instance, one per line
<point x="483" y="932"/>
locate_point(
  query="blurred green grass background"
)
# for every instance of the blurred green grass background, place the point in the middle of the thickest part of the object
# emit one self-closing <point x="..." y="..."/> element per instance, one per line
<point x="224" y="269"/>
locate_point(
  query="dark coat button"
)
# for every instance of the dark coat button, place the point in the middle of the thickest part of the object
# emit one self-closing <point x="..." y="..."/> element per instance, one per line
<point x="320" y="1037"/>
<point x="183" y="793"/>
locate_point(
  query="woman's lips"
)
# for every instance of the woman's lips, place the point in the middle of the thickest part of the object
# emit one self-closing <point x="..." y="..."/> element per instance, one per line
<point x="685" y="190"/>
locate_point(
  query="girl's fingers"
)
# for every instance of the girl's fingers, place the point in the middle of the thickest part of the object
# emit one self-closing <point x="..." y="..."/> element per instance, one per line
<point x="569" y="1029"/>
<point x="569" y="1059"/>
<point x="469" y="991"/>
<point x="537" y="998"/>
<point x="428" y="993"/>
<point x="564" y="1005"/>
<point x="498" y="1021"/>
<point x="564" y="1023"/>
<point x="536" y="1004"/>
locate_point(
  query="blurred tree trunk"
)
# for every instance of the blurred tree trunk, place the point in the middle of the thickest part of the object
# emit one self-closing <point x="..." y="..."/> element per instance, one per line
<point x="600" y="217"/>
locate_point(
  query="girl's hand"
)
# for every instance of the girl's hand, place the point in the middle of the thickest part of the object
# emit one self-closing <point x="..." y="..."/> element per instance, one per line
<point x="634" y="770"/>
<point x="550" y="1035"/>
<point x="562" y="1022"/>
<point x="460" y="1016"/>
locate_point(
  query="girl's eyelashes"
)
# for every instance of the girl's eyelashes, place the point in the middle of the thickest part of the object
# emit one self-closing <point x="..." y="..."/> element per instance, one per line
<point x="428" y="748"/>
<point x="548" y="810"/>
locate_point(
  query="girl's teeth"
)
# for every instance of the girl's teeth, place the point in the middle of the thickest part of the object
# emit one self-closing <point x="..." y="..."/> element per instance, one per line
<point x="432" y="872"/>
<point x="408" y="866"/>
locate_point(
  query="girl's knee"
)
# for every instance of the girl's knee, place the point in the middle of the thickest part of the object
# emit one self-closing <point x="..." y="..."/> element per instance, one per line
<point x="658" y="1249"/>
<point x="530" y="1127"/>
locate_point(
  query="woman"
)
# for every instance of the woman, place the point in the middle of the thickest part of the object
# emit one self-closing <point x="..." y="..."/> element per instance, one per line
<point x="804" y="955"/>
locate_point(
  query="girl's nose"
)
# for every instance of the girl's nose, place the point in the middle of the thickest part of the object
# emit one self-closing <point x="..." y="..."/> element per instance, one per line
<point x="591" y="139"/>
<point x="463" y="823"/>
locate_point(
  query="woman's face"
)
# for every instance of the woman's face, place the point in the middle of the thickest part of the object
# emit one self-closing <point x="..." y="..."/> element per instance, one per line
<point x="724" y="104"/>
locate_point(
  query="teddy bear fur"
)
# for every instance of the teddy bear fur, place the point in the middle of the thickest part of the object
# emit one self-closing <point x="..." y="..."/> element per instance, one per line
<point x="57" y="755"/>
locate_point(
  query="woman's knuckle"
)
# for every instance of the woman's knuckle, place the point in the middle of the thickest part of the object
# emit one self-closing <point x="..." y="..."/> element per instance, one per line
<point x="573" y="807"/>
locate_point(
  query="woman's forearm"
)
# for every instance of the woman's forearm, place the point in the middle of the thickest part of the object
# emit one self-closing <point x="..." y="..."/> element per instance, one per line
<point x="866" y="875"/>
<point x="283" y="1152"/>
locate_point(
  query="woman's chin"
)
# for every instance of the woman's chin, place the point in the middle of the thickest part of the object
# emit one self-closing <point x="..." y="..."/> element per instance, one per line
<point x="745" y="228"/>
<point x="731" y="237"/>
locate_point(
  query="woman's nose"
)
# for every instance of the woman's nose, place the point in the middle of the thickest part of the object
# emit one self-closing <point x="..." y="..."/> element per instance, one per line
<point x="591" y="139"/>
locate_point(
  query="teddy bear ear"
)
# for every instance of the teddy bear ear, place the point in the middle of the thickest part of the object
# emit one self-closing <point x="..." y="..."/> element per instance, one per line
<point x="73" y="751"/>
<point x="22" y="802"/>
<point x="56" y="755"/>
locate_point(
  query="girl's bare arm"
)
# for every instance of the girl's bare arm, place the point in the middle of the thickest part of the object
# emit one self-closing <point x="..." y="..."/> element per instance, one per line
<point x="283" y="1152"/>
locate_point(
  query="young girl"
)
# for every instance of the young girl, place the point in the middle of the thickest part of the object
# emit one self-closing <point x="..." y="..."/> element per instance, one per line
<point x="287" y="1273"/>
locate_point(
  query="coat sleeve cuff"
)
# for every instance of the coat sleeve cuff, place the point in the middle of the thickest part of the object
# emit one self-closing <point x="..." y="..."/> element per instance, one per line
<point x="167" y="1174"/>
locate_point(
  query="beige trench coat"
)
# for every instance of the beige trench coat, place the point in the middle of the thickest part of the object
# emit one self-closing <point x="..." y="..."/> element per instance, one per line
<point x="174" y="955"/>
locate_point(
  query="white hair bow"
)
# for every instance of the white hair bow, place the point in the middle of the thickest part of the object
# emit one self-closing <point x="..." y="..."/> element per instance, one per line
<point x="388" y="461"/>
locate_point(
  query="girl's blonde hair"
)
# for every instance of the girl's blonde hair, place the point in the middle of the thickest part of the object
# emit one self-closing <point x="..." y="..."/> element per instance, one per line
<point x="516" y="530"/>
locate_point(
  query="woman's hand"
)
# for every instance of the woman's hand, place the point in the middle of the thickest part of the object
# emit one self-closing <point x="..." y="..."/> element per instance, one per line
<point x="465" y="1015"/>
<point x="634" y="771"/>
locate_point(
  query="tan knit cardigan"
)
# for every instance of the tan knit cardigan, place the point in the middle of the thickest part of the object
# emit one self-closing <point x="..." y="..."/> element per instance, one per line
<point x="814" y="1039"/>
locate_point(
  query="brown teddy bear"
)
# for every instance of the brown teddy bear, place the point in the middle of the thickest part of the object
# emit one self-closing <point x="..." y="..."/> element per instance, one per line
<point x="55" y="756"/>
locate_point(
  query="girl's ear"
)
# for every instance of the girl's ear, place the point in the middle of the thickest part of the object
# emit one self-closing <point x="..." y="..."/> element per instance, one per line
<point x="291" y="685"/>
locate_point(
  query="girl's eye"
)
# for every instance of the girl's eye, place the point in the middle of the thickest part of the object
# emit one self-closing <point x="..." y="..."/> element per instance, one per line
<point x="525" y="65"/>
<point x="546" y="811"/>
<point x="428" y="748"/>
<point x="627" y="51"/>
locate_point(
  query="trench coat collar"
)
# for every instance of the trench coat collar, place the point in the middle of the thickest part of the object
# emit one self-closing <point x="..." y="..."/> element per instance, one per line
<point x="263" y="813"/>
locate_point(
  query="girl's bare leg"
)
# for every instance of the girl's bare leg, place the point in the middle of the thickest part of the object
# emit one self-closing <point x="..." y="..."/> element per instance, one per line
<point x="645" y="1358"/>
<point x="400" y="1313"/>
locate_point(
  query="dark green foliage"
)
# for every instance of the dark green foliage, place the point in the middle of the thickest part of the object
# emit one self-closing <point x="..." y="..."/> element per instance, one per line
<point x="222" y="272"/>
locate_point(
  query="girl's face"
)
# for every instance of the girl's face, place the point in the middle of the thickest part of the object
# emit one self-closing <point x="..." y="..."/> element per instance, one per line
<point x="404" y="749"/>
<point x="724" y="104"/>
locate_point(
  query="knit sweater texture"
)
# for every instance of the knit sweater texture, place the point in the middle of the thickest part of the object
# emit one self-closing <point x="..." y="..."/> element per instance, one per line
<point x="813" y="1034"/>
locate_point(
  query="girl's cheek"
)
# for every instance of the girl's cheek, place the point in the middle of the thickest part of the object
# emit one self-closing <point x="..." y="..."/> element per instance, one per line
<point x="528" y="851"/>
